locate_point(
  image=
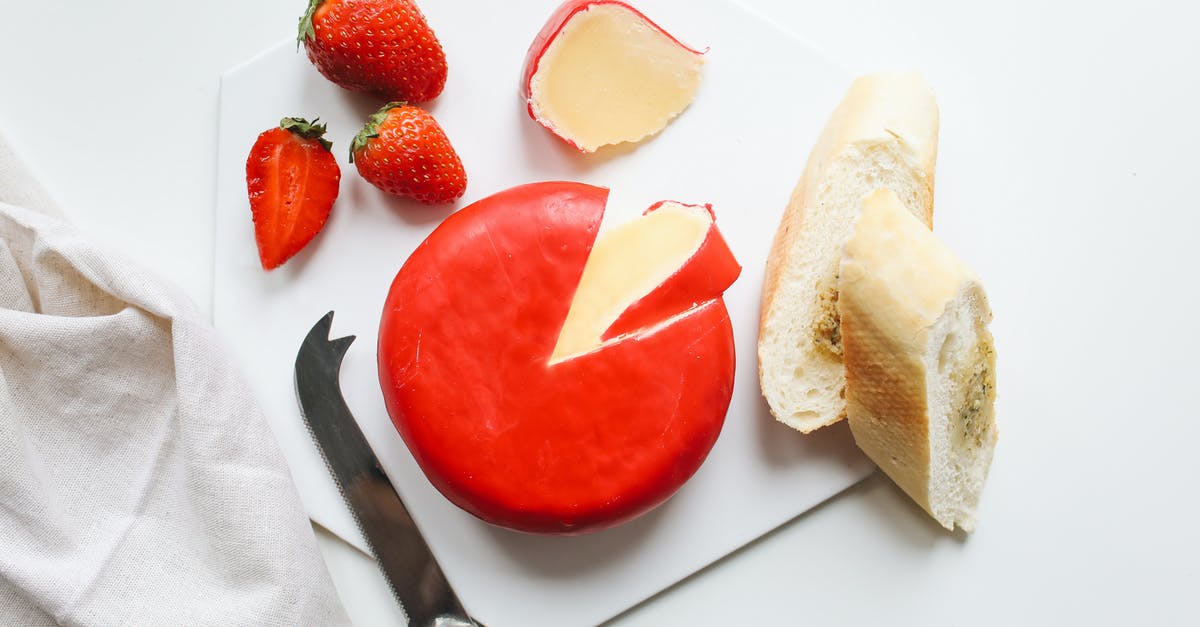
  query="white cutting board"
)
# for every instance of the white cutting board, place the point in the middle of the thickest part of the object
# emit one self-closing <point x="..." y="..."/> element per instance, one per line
<point x="741" y="146"/>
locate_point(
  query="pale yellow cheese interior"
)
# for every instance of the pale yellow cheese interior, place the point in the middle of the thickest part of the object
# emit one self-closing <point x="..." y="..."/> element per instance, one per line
<point x="611" y="77"/>
<point x="626" y="264"/>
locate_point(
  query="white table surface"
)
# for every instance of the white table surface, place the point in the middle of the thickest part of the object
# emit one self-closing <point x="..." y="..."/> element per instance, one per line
<point x="1074" y="126"/>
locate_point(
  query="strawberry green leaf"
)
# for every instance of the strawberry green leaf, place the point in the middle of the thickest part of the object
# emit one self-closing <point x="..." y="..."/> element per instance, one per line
<point x="370" y="130"/>
<point x="307" y="130"/>
<point x="306" y="30"/>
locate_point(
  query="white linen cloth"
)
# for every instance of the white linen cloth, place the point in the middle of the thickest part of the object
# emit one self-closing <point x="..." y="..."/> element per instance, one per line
<point x="139" y="482"/>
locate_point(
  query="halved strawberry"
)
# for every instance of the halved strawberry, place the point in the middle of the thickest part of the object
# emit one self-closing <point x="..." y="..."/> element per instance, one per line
<point x="293" y="180"/>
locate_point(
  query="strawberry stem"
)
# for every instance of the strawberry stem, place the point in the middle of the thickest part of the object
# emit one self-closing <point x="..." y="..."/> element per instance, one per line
<point x="306" y="30"/>
<point x="370" y="130"/>
<point x="307" y="130"/>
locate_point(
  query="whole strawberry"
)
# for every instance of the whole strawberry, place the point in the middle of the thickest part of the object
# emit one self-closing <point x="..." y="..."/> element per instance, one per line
<point x="292" y="180"/>
<point x="402" y="150"/>
<point x="381" y="47"/>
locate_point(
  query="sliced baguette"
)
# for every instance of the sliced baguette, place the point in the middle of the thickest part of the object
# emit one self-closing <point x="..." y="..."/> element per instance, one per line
<point x="883" y="134"/>
<point x="920" y="363"/>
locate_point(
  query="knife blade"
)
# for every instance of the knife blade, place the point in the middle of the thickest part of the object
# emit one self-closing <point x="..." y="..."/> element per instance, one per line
<point x="405" y="559"/>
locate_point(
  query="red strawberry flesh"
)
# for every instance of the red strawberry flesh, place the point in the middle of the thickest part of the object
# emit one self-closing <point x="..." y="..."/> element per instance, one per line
<point x="292" y="180"/>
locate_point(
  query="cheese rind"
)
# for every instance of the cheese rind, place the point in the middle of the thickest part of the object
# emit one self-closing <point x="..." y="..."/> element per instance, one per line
<point x="608" y="75"/>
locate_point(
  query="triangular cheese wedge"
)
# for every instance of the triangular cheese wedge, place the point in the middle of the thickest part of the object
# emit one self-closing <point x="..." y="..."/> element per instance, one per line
<point x="643" y="273"/>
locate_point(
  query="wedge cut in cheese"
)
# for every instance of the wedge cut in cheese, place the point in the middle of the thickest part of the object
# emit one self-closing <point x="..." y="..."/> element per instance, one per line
<point x="632" y="274"/>
<point x="920" y="361"/>
<point x="601" y="73"/>
<point x="548" y="382"/>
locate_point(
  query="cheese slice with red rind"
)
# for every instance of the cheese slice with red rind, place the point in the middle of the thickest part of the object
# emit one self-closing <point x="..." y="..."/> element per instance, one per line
<point x="579" y="445"/>
<point x="704" y="276"/>
<point x="600" y="72"/>
<point x="643" y="273"/>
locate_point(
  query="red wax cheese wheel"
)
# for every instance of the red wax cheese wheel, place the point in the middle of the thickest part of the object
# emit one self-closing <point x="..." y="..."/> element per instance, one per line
<point x="565" y="446"/>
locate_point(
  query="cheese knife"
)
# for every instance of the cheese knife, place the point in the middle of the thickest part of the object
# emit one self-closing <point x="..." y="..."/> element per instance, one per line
<point x="403" y="556"/>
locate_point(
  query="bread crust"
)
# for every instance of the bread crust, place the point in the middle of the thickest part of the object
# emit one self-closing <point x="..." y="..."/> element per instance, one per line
<point x="896" y="281"/>
<point x="887" y="314"/>
<point x="877" y="108"/>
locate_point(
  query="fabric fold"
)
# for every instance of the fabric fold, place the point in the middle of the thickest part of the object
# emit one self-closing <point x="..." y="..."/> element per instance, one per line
<point x="140" y="482"/>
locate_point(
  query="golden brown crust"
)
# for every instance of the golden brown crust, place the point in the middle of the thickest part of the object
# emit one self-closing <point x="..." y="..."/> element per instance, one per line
<point x="785" y="235"/>
<point x="897" y="280"/>
<point x="885" y="338"/>
<point x="886" y="401"/>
